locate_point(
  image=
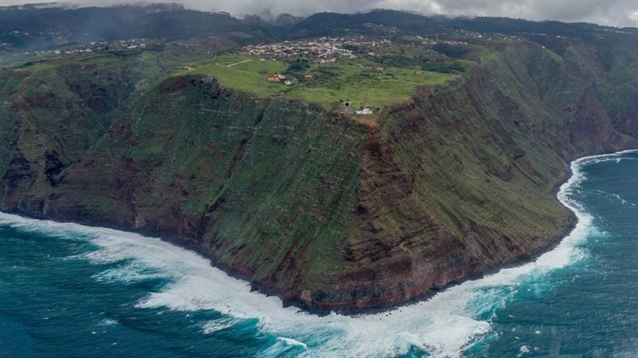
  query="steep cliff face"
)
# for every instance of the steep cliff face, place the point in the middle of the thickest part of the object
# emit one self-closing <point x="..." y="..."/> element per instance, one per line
<point x="313" y="206"/>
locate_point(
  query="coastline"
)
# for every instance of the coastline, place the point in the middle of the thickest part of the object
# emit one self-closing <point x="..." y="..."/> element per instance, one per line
<point x="571" y="177"/>
<point x="559" y="192"/>
<point x="291" y="302"/>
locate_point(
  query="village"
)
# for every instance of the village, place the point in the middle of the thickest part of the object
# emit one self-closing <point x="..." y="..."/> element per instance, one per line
<point x="95" y="46"/>
<point x="325" y="50"/>
<point x="321" y="50"/>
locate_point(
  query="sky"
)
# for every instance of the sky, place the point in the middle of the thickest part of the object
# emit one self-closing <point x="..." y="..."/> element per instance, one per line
<point x="604" y="12"/>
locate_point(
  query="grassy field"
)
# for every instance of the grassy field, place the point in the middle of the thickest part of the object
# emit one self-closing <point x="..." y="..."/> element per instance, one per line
<point x="331" y="84"/>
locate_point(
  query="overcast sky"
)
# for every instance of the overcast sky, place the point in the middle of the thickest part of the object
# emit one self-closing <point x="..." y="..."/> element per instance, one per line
<point x="605" y="12"/>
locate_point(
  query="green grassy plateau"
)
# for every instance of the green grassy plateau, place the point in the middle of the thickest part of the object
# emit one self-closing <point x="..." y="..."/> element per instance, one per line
<point x="331" y="84"/>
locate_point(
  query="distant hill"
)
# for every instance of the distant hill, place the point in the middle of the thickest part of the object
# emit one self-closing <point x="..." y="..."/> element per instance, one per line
<point x="388" y="21"/>
<point x="400" y="22"/>
<point x="33" y="27"/>
<point x="38" y="27"/>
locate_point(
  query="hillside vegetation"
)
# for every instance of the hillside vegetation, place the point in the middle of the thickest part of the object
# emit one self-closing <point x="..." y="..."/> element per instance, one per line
<point x="451" y="178"/>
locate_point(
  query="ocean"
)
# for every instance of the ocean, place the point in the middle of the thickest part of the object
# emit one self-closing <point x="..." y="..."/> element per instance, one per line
<point x="68" y="290"/>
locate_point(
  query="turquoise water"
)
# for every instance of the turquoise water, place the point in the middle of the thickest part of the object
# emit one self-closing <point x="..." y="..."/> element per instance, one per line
<point x="70" y="290"/>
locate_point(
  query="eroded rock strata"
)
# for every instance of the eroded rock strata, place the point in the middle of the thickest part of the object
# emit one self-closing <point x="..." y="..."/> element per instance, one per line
<point x="316" y="207"/>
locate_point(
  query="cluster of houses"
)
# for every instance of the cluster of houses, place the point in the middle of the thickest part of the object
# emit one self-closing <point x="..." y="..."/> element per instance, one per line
<point x="93" y="46"/>
<point x="278" y="78"/>
<point x="322" y="50"/>
<point x="97" y="46"/>
<point x="71" y="51"/>
<point x="130" y="43"/>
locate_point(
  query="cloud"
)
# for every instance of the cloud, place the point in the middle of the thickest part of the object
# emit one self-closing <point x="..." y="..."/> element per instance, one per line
<point x="606" y="12"/>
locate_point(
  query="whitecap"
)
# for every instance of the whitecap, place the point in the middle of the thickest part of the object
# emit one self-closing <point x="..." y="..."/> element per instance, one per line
<point x="130" y="273"/>
<point x="218" y="325"/>
<point x="292" y="342"/>
<point x="523" y="350"/>
<point x="108" y="322"/>
<point x="284" y="347"/>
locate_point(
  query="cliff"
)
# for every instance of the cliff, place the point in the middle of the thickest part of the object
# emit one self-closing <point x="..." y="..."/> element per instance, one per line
<point x="314" y="206"/>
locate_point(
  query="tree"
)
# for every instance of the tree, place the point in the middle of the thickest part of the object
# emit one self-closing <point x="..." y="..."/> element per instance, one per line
<point x="298" y="66"/>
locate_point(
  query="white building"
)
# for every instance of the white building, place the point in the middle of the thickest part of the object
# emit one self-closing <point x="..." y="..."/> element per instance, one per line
<point x="364" y="111"/>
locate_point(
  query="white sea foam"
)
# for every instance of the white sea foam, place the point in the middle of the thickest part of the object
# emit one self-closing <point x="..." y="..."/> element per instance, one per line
<point x="133" y="272"/>
<point x="108" y="322"/>
<point x="523" y="350"/>
<point x="292" y="342"/>
<point x="218" y="325"/>
<point x="444" y="326"/>
<point x="286" y="347"/>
